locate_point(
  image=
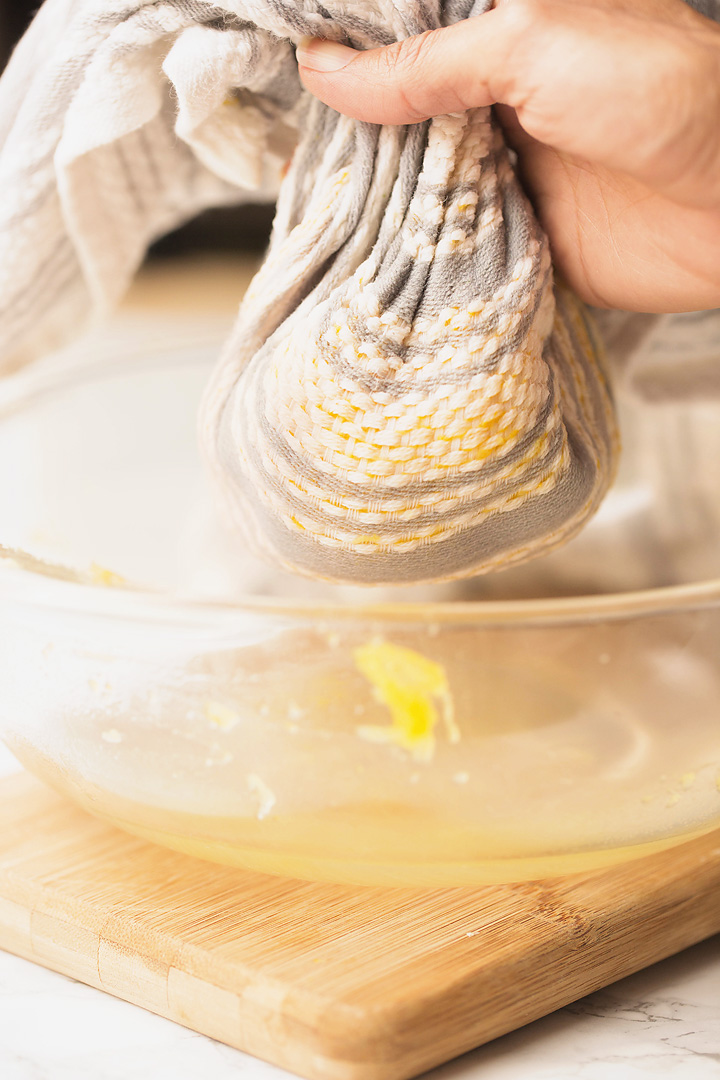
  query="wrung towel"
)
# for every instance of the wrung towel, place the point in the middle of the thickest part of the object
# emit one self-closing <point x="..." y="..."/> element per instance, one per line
<point x="407" y="394"/>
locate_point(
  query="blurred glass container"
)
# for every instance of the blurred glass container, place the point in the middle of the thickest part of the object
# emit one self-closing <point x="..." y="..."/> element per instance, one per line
<point x="555" y="718"/>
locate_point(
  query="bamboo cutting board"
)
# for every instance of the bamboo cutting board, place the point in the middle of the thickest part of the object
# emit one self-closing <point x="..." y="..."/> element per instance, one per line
<point x="330" y="982"/>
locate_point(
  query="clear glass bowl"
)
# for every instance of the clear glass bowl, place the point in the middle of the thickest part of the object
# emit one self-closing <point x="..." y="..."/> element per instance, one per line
<point x="551" y="719"/>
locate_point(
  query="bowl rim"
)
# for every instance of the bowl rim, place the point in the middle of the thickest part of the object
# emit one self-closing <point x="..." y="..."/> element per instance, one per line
<point x="26" y="579"/>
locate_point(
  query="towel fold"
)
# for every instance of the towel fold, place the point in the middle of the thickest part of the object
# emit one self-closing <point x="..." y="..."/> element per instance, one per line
<point x="407" y="395"/>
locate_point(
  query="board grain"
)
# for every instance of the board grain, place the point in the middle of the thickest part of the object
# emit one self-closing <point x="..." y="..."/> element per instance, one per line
<point x="330" y="982"/>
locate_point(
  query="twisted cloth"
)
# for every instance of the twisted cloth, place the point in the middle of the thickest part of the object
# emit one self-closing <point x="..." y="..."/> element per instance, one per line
<point x="407" y="394"/>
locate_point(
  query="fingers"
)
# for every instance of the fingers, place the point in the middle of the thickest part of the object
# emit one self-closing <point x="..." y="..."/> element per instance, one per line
<point x="634" y="86"/>
<point x="441" y="71"/>
<point x="523" y="53"/>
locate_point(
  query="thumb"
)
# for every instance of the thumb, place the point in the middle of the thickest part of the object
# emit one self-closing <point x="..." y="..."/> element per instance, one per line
<point x="448" y="70"/>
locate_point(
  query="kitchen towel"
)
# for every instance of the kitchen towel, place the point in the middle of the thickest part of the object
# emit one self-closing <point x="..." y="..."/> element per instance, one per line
<point x="407" y="394"/>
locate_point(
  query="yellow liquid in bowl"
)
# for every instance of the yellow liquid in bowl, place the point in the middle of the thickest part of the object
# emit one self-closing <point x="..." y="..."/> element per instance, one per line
<point x="464" y="757"/>
<point x="370" y="845"/>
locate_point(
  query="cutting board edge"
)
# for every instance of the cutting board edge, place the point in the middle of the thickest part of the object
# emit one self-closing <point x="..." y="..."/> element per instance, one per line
<point x="381" y="1026"/>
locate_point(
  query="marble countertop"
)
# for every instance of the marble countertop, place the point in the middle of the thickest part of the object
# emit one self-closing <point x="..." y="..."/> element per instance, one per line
<point x="662" y="1022"/>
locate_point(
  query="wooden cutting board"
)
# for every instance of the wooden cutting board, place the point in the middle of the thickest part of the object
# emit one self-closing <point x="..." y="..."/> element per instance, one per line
<point x="330" y="982"/>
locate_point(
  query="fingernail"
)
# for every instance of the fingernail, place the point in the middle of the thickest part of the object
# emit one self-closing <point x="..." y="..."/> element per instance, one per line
<point x="320" y="55"/>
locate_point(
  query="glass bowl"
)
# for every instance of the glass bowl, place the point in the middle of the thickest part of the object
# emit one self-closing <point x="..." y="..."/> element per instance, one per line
<point x="556" y="718"/>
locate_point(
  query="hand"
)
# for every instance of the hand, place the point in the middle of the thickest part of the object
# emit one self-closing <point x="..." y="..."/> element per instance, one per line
<point x="613" y="108"/>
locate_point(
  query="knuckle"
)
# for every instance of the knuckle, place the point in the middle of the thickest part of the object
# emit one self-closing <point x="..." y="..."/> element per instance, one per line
<point x="408" y="57"/>
<point x="408" y="66"/>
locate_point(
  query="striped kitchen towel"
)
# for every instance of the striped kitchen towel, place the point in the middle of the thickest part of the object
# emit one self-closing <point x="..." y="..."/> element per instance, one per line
<point x="407" y="393"/>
